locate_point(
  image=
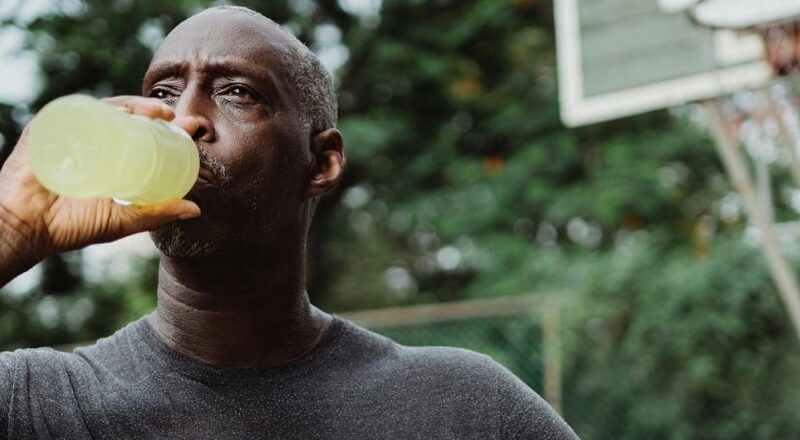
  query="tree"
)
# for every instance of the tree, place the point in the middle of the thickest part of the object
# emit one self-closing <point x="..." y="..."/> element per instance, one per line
<point x="462" y="183"/>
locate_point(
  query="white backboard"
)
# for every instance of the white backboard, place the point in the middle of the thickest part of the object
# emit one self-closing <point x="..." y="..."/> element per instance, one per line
<point x="618" y="58"/>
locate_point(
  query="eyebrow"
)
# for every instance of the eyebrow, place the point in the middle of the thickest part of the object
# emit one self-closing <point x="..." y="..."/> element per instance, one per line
<point x="217" y="68"/>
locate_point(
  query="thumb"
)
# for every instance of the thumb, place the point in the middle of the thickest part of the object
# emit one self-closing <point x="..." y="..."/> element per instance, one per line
<point x="138" y="218"/>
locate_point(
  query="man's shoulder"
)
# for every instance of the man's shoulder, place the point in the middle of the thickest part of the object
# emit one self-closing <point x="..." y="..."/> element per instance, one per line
<point x="120" y="343"/>
<point x="445" y="363"/>
<point x="373" y="345"/>
<point x="453" y="358"/>
<point x="43" y="371"/>
<point x="449" y="383"/>
<point x="431" y="364"/>
<point x="33" y="359"/>
<point x="46" y="364"/>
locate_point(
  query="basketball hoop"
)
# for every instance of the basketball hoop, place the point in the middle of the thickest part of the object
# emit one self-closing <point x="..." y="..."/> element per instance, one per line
<point x="777" y="21"/>
<point x="743" y="66"/>
<point x="765" y="121"/>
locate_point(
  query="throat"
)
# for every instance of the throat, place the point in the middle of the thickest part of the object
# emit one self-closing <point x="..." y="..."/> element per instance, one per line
<point x="248" y="324"/>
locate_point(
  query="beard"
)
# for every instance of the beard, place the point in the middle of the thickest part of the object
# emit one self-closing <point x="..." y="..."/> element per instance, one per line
<point x="236" y="220"/>
<point x="227" y="228"/>
<point x="186" y="239"/>
<point x="173" y="240"/>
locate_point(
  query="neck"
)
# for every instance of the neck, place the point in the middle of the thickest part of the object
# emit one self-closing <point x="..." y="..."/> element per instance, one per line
<point x="236" y="313"/>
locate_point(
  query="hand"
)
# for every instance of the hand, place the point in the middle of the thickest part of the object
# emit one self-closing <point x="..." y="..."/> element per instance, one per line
<point x="36" y="223"/>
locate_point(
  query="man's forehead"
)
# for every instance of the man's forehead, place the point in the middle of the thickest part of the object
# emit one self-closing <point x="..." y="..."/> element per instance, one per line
<point x="223" y="35"/>
<point x="217" y="66"/>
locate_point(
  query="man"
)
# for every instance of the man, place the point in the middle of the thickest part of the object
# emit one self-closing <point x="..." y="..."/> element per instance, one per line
<point x="235" y="349"/>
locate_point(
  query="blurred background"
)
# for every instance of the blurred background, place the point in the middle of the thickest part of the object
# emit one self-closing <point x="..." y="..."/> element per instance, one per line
<point x="610" y="266"/>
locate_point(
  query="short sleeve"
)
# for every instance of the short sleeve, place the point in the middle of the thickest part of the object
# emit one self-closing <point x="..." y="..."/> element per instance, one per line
<point x="524" y="414"/>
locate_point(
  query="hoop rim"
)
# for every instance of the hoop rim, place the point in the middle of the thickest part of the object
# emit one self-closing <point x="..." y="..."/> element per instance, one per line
<point x="793" y="16"/>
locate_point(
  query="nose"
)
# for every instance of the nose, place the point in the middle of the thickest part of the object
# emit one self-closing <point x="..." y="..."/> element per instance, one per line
<point x="191" y="108"/>
<point x="198" y="127"/>
<point x="204" y="131"/>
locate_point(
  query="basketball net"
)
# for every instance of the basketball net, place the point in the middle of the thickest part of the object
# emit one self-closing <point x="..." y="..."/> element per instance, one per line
<point x="782" y="46"/>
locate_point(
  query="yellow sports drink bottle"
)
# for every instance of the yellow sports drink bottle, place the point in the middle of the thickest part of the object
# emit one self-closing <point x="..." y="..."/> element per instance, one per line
<point x="81" y="147"/>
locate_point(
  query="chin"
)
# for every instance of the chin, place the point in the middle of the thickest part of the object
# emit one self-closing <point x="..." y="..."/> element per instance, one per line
<point x="179" y="240"/>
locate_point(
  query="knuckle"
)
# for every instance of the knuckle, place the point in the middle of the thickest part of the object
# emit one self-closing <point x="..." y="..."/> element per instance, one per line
<point x="118" y="100"/>
<point x="141" y="105"/>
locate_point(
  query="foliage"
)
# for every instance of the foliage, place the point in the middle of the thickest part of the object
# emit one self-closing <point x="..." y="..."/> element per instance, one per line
<point x="462" y="183"/>
<point x="39" y="318"/>
<point x="675" y="347"/>
<point x="460" y="169"/>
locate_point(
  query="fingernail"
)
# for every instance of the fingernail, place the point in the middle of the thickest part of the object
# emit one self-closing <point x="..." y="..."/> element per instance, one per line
<point x="188" y="215"/>
<point x="194" y="212"/>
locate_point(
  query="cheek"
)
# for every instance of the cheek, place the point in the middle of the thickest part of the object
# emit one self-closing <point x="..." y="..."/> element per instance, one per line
<point x="264" y="154"/>
<point x="269" y="162"/>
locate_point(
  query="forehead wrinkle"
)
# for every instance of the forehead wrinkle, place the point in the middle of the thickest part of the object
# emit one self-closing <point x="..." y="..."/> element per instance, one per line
<point x="219" y="66"/>
<point x="259" y="47"/>
<point x="232" y="66"/>
<point x="165" y="69"/>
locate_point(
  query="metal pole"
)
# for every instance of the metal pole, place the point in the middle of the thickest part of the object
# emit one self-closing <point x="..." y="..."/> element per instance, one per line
<point x="552" y="355"/>
<point x="764" y="189"/>
<point x="727" y="147"/>
<point x="787" y="139"/>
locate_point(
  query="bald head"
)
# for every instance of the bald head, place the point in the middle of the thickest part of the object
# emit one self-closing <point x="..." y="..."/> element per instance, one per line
<point x="310" y="81"/>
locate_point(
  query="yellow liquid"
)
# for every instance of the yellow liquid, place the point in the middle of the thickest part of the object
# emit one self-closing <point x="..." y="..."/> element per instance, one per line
<point x="80" y="147"/>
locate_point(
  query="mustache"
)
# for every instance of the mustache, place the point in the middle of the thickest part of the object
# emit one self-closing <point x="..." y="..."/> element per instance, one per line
<point x="213" y="166"/>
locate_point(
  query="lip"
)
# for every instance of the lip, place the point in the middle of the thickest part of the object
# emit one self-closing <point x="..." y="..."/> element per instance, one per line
<point x="205" y="176"/>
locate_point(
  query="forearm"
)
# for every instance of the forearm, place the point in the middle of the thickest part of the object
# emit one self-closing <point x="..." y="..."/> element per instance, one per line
<point x="16" y="242"/>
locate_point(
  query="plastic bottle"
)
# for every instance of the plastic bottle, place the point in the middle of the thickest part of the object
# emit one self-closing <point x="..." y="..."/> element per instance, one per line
<point x="80" y="147"/>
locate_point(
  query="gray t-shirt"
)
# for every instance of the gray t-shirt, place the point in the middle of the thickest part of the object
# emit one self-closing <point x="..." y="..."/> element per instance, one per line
<point x="354" y="385"/>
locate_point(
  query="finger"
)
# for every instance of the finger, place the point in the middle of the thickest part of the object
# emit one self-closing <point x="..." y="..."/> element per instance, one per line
<point x="140" y="105"/>
<point x="17" y="162"/>
<point x="190" y="124"/>
<point x="151" y="109"/>
<point x="167" y="113"/>
<point x="137" y="218"/>
<point x="118" y="101"/>
<point x="22" y="142"/>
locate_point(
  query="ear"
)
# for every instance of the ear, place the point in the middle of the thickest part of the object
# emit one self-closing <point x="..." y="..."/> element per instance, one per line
<point x="327" y="163"/>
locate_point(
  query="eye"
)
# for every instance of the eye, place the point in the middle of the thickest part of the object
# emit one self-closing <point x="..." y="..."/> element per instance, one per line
<point x="240" y="92"/>
<point x="161" y="93"/>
